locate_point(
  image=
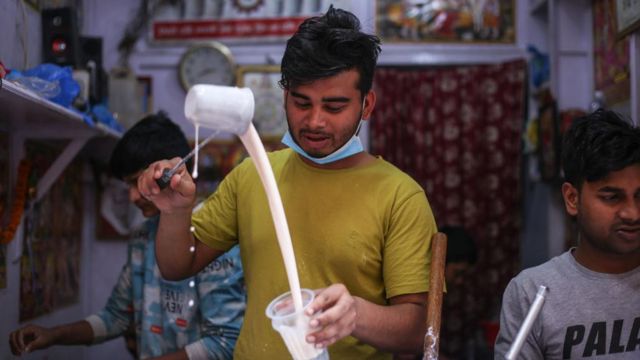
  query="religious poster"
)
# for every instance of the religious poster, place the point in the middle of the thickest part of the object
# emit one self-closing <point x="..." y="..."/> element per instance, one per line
<point x="482" y="21"/>
<point x="233" y="20"/>
<point x="219" y="157"/>
<point x="5" y="183"/>
<point x="50" y="262"/>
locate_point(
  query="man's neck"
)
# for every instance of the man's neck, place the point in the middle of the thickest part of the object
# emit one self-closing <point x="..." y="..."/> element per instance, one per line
<point x="602" y="262"/>
<point x="358" y="159"/>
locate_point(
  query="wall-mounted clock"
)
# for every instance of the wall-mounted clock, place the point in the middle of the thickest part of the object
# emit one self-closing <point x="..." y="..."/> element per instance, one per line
<point x="207" y="63"/>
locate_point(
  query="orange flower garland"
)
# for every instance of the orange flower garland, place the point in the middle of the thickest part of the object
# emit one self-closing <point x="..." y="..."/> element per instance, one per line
<point x="18" y="205"/>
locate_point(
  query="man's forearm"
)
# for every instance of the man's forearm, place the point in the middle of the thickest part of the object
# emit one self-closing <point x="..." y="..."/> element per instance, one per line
<point x="175" y="246"/>
<point x="77" y="333"/>
<point x="394" y="328"/>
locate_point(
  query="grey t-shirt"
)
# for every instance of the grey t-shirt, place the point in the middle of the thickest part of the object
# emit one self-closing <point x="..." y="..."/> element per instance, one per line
<point x="585" y="314"/>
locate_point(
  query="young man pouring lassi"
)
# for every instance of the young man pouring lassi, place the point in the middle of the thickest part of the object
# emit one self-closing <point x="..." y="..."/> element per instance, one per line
<point x="360" y="227"/>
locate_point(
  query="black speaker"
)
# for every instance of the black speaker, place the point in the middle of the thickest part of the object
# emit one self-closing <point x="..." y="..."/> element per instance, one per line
<point x="60" y="41"/>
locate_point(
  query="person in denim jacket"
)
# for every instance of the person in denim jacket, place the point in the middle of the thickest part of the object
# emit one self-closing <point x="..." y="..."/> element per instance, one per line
<point x="195" y="318"/>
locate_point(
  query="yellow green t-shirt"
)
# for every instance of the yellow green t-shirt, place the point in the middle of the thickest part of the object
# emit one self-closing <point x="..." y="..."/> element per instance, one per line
<point x="367" y="227"/>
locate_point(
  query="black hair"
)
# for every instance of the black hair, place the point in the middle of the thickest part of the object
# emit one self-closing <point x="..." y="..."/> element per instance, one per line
<point x="327" y="45"/>
<point x="598" y="144"/>
<point x="460" y="245"/>
<point x="153" y="138"/>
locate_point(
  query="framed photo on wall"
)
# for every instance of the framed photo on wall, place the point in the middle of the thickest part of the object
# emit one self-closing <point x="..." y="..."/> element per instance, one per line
<point x="627" y="16"/>
<point x="490" y="21"/>
<point x="218" y="157"/>
<point x="610" y="57"/>
<point x="269" y="118"/>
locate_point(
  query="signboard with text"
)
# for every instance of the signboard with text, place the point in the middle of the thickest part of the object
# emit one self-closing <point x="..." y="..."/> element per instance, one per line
<point x="234" y="20"/>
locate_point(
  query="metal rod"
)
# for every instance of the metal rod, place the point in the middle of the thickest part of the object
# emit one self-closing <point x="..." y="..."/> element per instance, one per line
<point x="167" y="173"/>
<point x="526" y="325"/>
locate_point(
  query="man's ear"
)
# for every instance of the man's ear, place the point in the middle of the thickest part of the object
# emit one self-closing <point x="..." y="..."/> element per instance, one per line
<point x="571" y="196"/>
<point x="368" y="105"/>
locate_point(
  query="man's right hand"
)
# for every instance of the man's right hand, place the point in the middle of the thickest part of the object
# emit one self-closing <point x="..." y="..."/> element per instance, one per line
<point x="29" y="338"/>
<point x="178" y="196"/>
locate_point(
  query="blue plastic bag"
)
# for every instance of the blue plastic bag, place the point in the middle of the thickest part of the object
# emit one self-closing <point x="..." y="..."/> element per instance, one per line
<point x="51" y="81"/>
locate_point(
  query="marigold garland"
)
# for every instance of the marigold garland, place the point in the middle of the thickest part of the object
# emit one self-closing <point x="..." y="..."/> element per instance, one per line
<point x="18" y="205"/>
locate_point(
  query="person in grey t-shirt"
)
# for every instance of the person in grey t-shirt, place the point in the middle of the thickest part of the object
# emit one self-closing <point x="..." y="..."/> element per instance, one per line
<point x="592" y="307"/>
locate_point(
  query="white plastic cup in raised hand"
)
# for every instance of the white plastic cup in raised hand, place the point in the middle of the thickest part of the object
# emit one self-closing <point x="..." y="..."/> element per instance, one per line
<point x="294" y="327"/>
<point x="224" y="108"/>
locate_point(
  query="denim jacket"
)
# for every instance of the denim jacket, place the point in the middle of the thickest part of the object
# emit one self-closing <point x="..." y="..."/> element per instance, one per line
<point x="202" y="314"/>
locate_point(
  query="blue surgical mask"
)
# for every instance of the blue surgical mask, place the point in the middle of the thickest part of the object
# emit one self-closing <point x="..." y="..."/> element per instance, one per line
<point x="352" y="147"/>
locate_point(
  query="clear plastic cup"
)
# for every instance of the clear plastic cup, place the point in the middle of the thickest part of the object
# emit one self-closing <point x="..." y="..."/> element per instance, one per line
<point x="294" y="327"/>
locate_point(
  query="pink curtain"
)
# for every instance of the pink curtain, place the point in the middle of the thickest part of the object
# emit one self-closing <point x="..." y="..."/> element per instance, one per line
<point x="457" y="131"/>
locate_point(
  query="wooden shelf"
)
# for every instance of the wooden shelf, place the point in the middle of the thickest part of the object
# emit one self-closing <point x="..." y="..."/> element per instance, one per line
<point x="26" y="115"/>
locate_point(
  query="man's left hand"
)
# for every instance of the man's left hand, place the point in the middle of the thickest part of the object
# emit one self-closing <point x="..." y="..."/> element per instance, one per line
<point x="337" y="315"/>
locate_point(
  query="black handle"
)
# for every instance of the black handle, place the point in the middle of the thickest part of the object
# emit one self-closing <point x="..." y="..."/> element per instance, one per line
<point x="164" y="180"/>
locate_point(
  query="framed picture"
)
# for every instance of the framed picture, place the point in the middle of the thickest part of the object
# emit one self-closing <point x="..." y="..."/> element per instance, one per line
<point x="50" y="262"/>
<point x="627" y="16"/>
<point x="610" y="57"/>
<point x="269" y="118"/>
<point x="490" y="21"/>
<point x="218" y="158"/>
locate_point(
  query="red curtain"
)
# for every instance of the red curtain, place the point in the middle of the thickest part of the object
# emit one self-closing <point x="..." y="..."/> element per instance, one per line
<point x="457" y="131"/>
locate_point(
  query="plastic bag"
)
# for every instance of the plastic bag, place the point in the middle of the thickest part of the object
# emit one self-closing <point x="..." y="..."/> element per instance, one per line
<point x="44" y="88"/>
<point x="104" y="116"/>
<point x="49" y="81"/>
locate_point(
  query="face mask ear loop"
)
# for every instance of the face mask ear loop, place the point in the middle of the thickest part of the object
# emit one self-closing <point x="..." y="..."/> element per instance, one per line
<point x="361" y="120"/>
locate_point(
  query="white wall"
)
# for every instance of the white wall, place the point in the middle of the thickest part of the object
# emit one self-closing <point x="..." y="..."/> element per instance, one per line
<point x="20" y="29"/>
